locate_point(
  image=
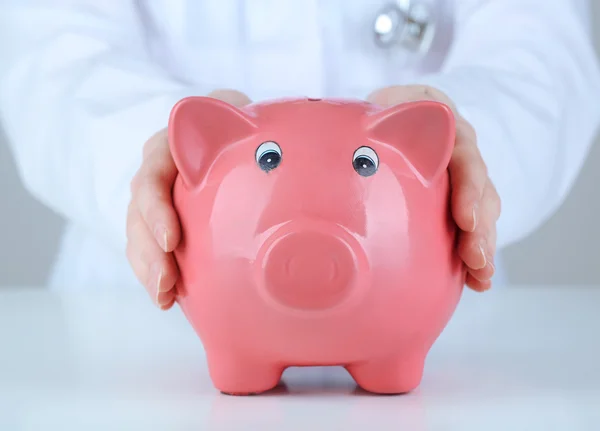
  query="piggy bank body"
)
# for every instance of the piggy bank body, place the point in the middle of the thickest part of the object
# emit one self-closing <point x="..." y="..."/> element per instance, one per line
<point x="315" y="232"/>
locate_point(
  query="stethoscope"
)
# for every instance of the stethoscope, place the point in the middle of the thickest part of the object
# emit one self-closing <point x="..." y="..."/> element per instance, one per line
<point x="405" y="23"/>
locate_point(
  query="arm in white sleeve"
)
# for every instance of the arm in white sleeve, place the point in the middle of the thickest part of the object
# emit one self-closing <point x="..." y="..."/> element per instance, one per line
<point x="525" y="75"/>
<point x="79" y="97"/>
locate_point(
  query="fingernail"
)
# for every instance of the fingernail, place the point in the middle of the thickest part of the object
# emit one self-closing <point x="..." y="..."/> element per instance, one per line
<point x="157" y="276"/>
<point x="482" y="252"/>
<point x="475" y="206"/>
<point x="160" y="233"/>
<point x="490" y="262"/>
<point x="154" y="280"/>
<point x="166" y="306"/>
<point x="158" y="282"/>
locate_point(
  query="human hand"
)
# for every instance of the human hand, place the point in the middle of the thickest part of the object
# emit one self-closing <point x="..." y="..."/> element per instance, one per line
<point x="153" y="229"/>
<point x="475" y="204"/>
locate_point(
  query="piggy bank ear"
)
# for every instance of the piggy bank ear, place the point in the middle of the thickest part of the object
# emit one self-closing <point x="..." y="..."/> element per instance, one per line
<point x="199" y="127"/>
<point x="423" y="132"/>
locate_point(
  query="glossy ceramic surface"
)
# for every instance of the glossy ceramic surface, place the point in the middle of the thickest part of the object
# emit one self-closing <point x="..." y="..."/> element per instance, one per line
<point x="315" y="232"/>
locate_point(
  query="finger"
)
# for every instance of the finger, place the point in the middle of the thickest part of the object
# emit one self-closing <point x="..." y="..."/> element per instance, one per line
<point x="478" y="248"/>
<point x="495" y="203"/>
<point x="154" y="198"/>
<point x="471" y="250"/>
<point x="168" y="305"/>
<point x="156" y="141"/>
<point x="155" y="269"/>
<point x="490" y="212"/>
<point x="473" y="247"/>
<point x="477" y="285"/>
<point x="136" y="231"/>
<point x="468" y="177"/>
<point x="158" y="276"/>
<point x="394" y="95"/>
<point x="487" y="272"/>
<point x="491" y="241"/>
<point x="233" y="97"/>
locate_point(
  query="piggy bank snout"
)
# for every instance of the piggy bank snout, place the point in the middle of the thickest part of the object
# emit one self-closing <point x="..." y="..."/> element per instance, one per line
<point x="309" y="269"/>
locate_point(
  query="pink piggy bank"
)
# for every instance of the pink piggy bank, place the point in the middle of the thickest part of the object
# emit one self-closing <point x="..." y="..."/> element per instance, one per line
<point x="315" y="232"/>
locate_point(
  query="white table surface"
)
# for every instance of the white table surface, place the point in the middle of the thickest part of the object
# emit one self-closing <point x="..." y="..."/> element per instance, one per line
<point x="516" y="358"/>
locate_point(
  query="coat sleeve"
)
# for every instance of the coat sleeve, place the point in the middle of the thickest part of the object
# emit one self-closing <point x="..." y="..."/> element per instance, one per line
<point x="79" y="96"/>
<point x="524" y="73"/>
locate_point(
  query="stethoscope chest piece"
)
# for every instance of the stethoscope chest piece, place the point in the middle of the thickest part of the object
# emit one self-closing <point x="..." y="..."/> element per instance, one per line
<point x="406" y="23"/>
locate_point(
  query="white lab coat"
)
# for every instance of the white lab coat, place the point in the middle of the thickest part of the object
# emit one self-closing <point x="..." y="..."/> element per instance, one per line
<point x="84" y="83"/>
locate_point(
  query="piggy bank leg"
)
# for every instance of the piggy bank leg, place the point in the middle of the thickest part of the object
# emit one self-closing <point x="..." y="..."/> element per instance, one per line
<point x="235" y="374"/>
<point x="390" y="376"/>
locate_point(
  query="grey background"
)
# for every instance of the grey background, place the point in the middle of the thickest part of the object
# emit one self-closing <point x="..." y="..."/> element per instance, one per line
<point x="563" y="251"/>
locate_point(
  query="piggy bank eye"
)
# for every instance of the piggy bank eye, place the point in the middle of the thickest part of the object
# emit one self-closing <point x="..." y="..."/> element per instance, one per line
<point x="365" y="161"/>
<point x="268" y="156"/>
